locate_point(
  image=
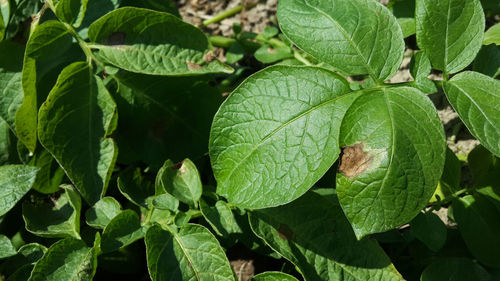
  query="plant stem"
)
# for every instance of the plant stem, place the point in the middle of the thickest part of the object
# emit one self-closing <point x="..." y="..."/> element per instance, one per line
<point x="228" y="13"/>
<point x="300" y="58"/>
<point x="221" y="41"/>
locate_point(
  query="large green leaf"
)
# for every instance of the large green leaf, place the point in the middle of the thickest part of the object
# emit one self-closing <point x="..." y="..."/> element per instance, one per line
<point x="492" y="35"/>
<point x="151" y="42"/>
<point x="192" y="253"/>
<point x="57" y="218"/>
<point x="15" y="182"/>
<point x="74" y="124"/>
<point x="69" y="259"/>
<point x="71" y="11"/>
<point x="393" y="156"/>
<point x="181" y="180"/>
<point x="429" y="229"/>
<point x="450" y="32"/>
<point x="313" y="234"/>
<point x="123" y="229"/>
<point x="6" y="247"/>
<point x="164" y="117"/>
<point x="476" y="98"/>
<point x="354" y="36"/>
<point x="477" y="218"/>
<point x="44" y="49"/>
<point x="11" y="95"/>
<point x="50" y="175"/>
<point x="277" y="134"/>
<point x="102" y="212"/>
<point x="455" y="269"/>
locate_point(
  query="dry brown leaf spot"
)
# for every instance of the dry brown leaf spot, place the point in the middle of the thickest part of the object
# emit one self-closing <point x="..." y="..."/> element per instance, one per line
<point x="354" y="161"/>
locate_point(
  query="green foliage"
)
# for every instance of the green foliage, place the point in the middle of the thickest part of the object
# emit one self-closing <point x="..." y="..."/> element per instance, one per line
<point x="131" y="146"/>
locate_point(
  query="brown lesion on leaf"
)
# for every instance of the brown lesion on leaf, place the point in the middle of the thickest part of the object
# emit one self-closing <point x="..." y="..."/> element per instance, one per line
<point x="117" y="38"/>
<point x="284" y="232"/>
<point x="354" y="161"/>
<point x="193" y="65"/>
<point x="209" y="56"/>
<point x="271" y="50"/>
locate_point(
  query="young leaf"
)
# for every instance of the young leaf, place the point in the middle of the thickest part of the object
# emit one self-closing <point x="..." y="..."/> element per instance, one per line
<point x="253" y="165"/>
<point x="420" y="68"/>
<point x="95" y="9"/>
<point x="273" y="276"/>
<point x="429" y="229"/>
<point x="166" y="201"/>
<point x="221" y="218"/>
<point x="488" y="61"/>
<point x="136" y="187"/>
<point x="477" y="218"/>
<point x="269" y="54"/>
<point x="192" y="253"/>
<point x="484" y="167"/>
<point x="11" y="95"/>
<point x="492" y="35"/>
<point x="450" y="179"/>
<point x="102" y="212"/>
<point x="73" y="125"/>
<point x="450" y="32"/>
<point x="455" y="269"/>
<point x="58" y="218"/>
<point x="6" y="247"/>
<point x="15" y="182"/>
<point x="407" y="26"/>
<point x="50" y="175"/>
<point x="182" y="180"/>
<point x="313" y="234"/>
<point x="354" y="36"/>
<point x="393" y="157"/>
<point x="68" y="259"/>
<point x="476" y="98"/>
<point x="71" y="11"/>
<point x="150" y="42"/>
<point x="45" y="39"/>
<point x="122" y="230"/>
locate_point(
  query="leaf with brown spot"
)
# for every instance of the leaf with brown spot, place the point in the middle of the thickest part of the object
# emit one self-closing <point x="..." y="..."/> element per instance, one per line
<point x="117" y="38"/>
<point x="193" y="66"/>
<point x="354" y="160"/>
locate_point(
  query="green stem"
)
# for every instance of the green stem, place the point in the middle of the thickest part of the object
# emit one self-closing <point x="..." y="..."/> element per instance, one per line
<point x="449" y="198"/>
<point x="148" y="217"/>
<point x="221" y="41"/>
<point x="300" y="58"/>
<point x="228" y="13"/>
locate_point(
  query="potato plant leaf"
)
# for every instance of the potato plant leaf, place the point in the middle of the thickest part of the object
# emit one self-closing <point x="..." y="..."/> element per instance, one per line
<point x="429" y="229"/>
<point x="123" y="229"/>
<point x="50" y="174"/>
<point x="67" y="259"/>
<point x="11" y="95"/>
<point x="273" y="276"/>
<point x="136" y="187"/>
<point x="354" y="36"/>
<point x="277" y="134"/>
<point x="181" y="180"/>
<point x="72" y="11"/>
<point x="221" y="218"/>
<point x="6" y="247"/>
<point x="151" y="42"/>
<point x="73" y="125"/>
<point x="15" y="182"/>
<point x="450" y="32"/>
<point x="102" y="212"/>
<point x="476" y="98"/>
<point x="492" y="35"/>
<point x="192" y="253"/>
<point x="455" y="269"/>
<point x="57" y="218"/>
<point x="313" y="234"/>
<point x="393" y="156"/>
<point x="166" y="201"/>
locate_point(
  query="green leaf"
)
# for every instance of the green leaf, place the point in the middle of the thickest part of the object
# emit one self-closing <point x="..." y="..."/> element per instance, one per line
<point x="450" y="32"/>
<point x="150" y="42"/>
<point x="102" y="212"/>
<point x="122" y="230"/>
<point x="253" y="166"/>
<point x="313" y="234"/>
<point x="6" y="247"/>
<point x="235" y="53"/>
<point x="269" y="54"/>
<point x="354" y="36"/>
<point x="221" y="218"/>
<point x="476" y="99"/>
<point x="71" y="11"/>
<point x="167" y="6"/>
<point x="393" y="156"/>
<point x="407" y="26"/>
<point x="420" y="68"/>
<point x="492" y="35"/>
<point x="11" y="95"/>
<point x="429" y="229"/>
<point x="73" y="125"/>
<point x="68" y="259"/>
<point x="192" y="253"/>
<point x="455" y="269"/>
<point x="15" y="182"/>
<point x="32" y="252"/>
<point x="166" y="202"/>
<point x="488" y="61"/>
<point x="40" y="49"/>
<point x="450" y="179"/>
<point x="54" y="218"/>
<point x="182" y="180"/>
<point x="50" y="175"/>
<point x="484" y="167"/>
<point x="477" y="218"/>
<point x="136" y="187"/>
<point x="2" y="26"/>
<point x="96" y="9"/>
<point x="273" y="276"/>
